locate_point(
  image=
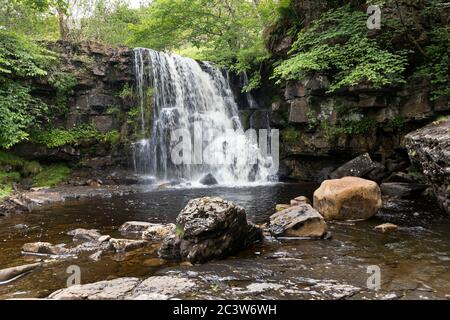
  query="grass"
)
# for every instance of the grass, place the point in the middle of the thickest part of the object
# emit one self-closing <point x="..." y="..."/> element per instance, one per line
<point x="52" y="175"/>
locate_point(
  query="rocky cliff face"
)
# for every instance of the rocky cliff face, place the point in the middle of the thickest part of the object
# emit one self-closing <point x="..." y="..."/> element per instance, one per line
<point x="429" y="149"/>
<point x="101" y="97"/>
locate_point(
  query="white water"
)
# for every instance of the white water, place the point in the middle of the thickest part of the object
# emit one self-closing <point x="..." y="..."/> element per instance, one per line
<point x="197" y="99"/>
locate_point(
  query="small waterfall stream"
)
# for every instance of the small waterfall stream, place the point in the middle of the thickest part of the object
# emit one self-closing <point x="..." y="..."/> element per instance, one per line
<point x="184" y="103"/>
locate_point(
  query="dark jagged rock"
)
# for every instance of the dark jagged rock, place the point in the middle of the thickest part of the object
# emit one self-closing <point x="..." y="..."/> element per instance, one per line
<point x="429" y="150"/>
<point x="357" y="167"/>
<point x="403" y="190"/>
<point x="208" y="180"/>
<point x="209" y="228"/>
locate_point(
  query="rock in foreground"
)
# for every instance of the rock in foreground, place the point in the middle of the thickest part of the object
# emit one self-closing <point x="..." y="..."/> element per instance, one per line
<point x="349" y="198"/>
<point x="209" y="228"/>
<point x="298" y="221"/>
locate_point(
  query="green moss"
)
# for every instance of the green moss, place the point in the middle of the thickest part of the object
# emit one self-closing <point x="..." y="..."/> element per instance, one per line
<point x="179" y="231"/>
<point x="5" y="190"/>
<point x="52" y="175"/>
<point x="126" y="92"/>
<point x="55" y="138"/>
<point x="290" y="135"/>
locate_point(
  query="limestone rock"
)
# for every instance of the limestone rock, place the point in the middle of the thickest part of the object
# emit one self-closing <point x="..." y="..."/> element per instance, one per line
<point x="298" y="221"/>
<point x="84" y="235"/>
<point x="125" y="245"/>
<point x="134" y="227"/>
<point x="157" y="232"/>
<point x="43" y="248"/>
<point x="349" y="198"/>
<point x="209" y="228"/>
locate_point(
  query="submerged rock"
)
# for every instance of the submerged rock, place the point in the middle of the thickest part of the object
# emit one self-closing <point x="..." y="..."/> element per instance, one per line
<point x="125" y="245"/>
<point x="386" y="227"/>
<point x="403" y="190"/>
<point x="134" y="227"/>
<point x="157" y="231"/>
<point x="298" y="221"/>
<point x="208" y="180"/>
<point x="209" y="228"/>
<point x="84" y="235"/>
<point x="357" y="167"/>
<point x="43" y="248"/>
<point x="429" y="150"/>
<point x="349" y="198"/>
<point x="9" y="274"/>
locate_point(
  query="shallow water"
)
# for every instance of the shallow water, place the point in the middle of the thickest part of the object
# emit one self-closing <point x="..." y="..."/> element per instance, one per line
<point x="414" y="260"/>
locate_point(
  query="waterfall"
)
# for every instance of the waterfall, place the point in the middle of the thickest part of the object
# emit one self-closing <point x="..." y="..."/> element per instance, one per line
<point x="180" y="95"/>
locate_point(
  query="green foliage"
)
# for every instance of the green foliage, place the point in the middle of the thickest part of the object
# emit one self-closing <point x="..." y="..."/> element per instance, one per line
<point x="225" y="32"/>
<point x="52" y="175"/>
<point x="437" y="67"/>
<point x="19" y="112"/>
<point x="290" y="135"/>
<point x="20" y="60"/>
<point x="64" y="83"/>
<point x="338" y="43"/>
<point x="55" y="138"/>
<point x="127" y="92"/>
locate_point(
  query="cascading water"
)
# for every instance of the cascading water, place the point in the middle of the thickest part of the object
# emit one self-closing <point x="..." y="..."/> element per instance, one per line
<point x="186" y="103"/>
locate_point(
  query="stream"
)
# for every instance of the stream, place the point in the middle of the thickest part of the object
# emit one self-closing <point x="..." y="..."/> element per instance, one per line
<point x="414" y="260"/>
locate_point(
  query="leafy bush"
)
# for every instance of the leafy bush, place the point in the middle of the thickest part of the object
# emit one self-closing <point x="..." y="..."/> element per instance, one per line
<point x="20" y="60"/>
<point x="337" y="43"/>
<point x="64" y="83"/>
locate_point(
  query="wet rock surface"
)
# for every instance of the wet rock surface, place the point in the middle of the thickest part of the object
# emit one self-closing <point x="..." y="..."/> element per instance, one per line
<point x="9" y="274"/>
<point x="402" y="189"/>
<point x="298" y="221"/>
<point x="429" y="150"/>
<point x="208" y="180"/>
<point x="209" y="228"/>
<point x="349" y="198"/>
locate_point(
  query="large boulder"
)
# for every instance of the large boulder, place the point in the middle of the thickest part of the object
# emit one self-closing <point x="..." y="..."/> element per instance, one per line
<point x="209" y="228"/>
<point x="298" y="221"/>
<point x="357" y="167"/>
<point x="349" y="198"/>
<point x="429" y="150"/>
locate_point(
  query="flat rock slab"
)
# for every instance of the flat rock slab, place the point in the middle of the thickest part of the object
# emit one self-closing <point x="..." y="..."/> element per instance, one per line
<point x="153" y="288"/>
